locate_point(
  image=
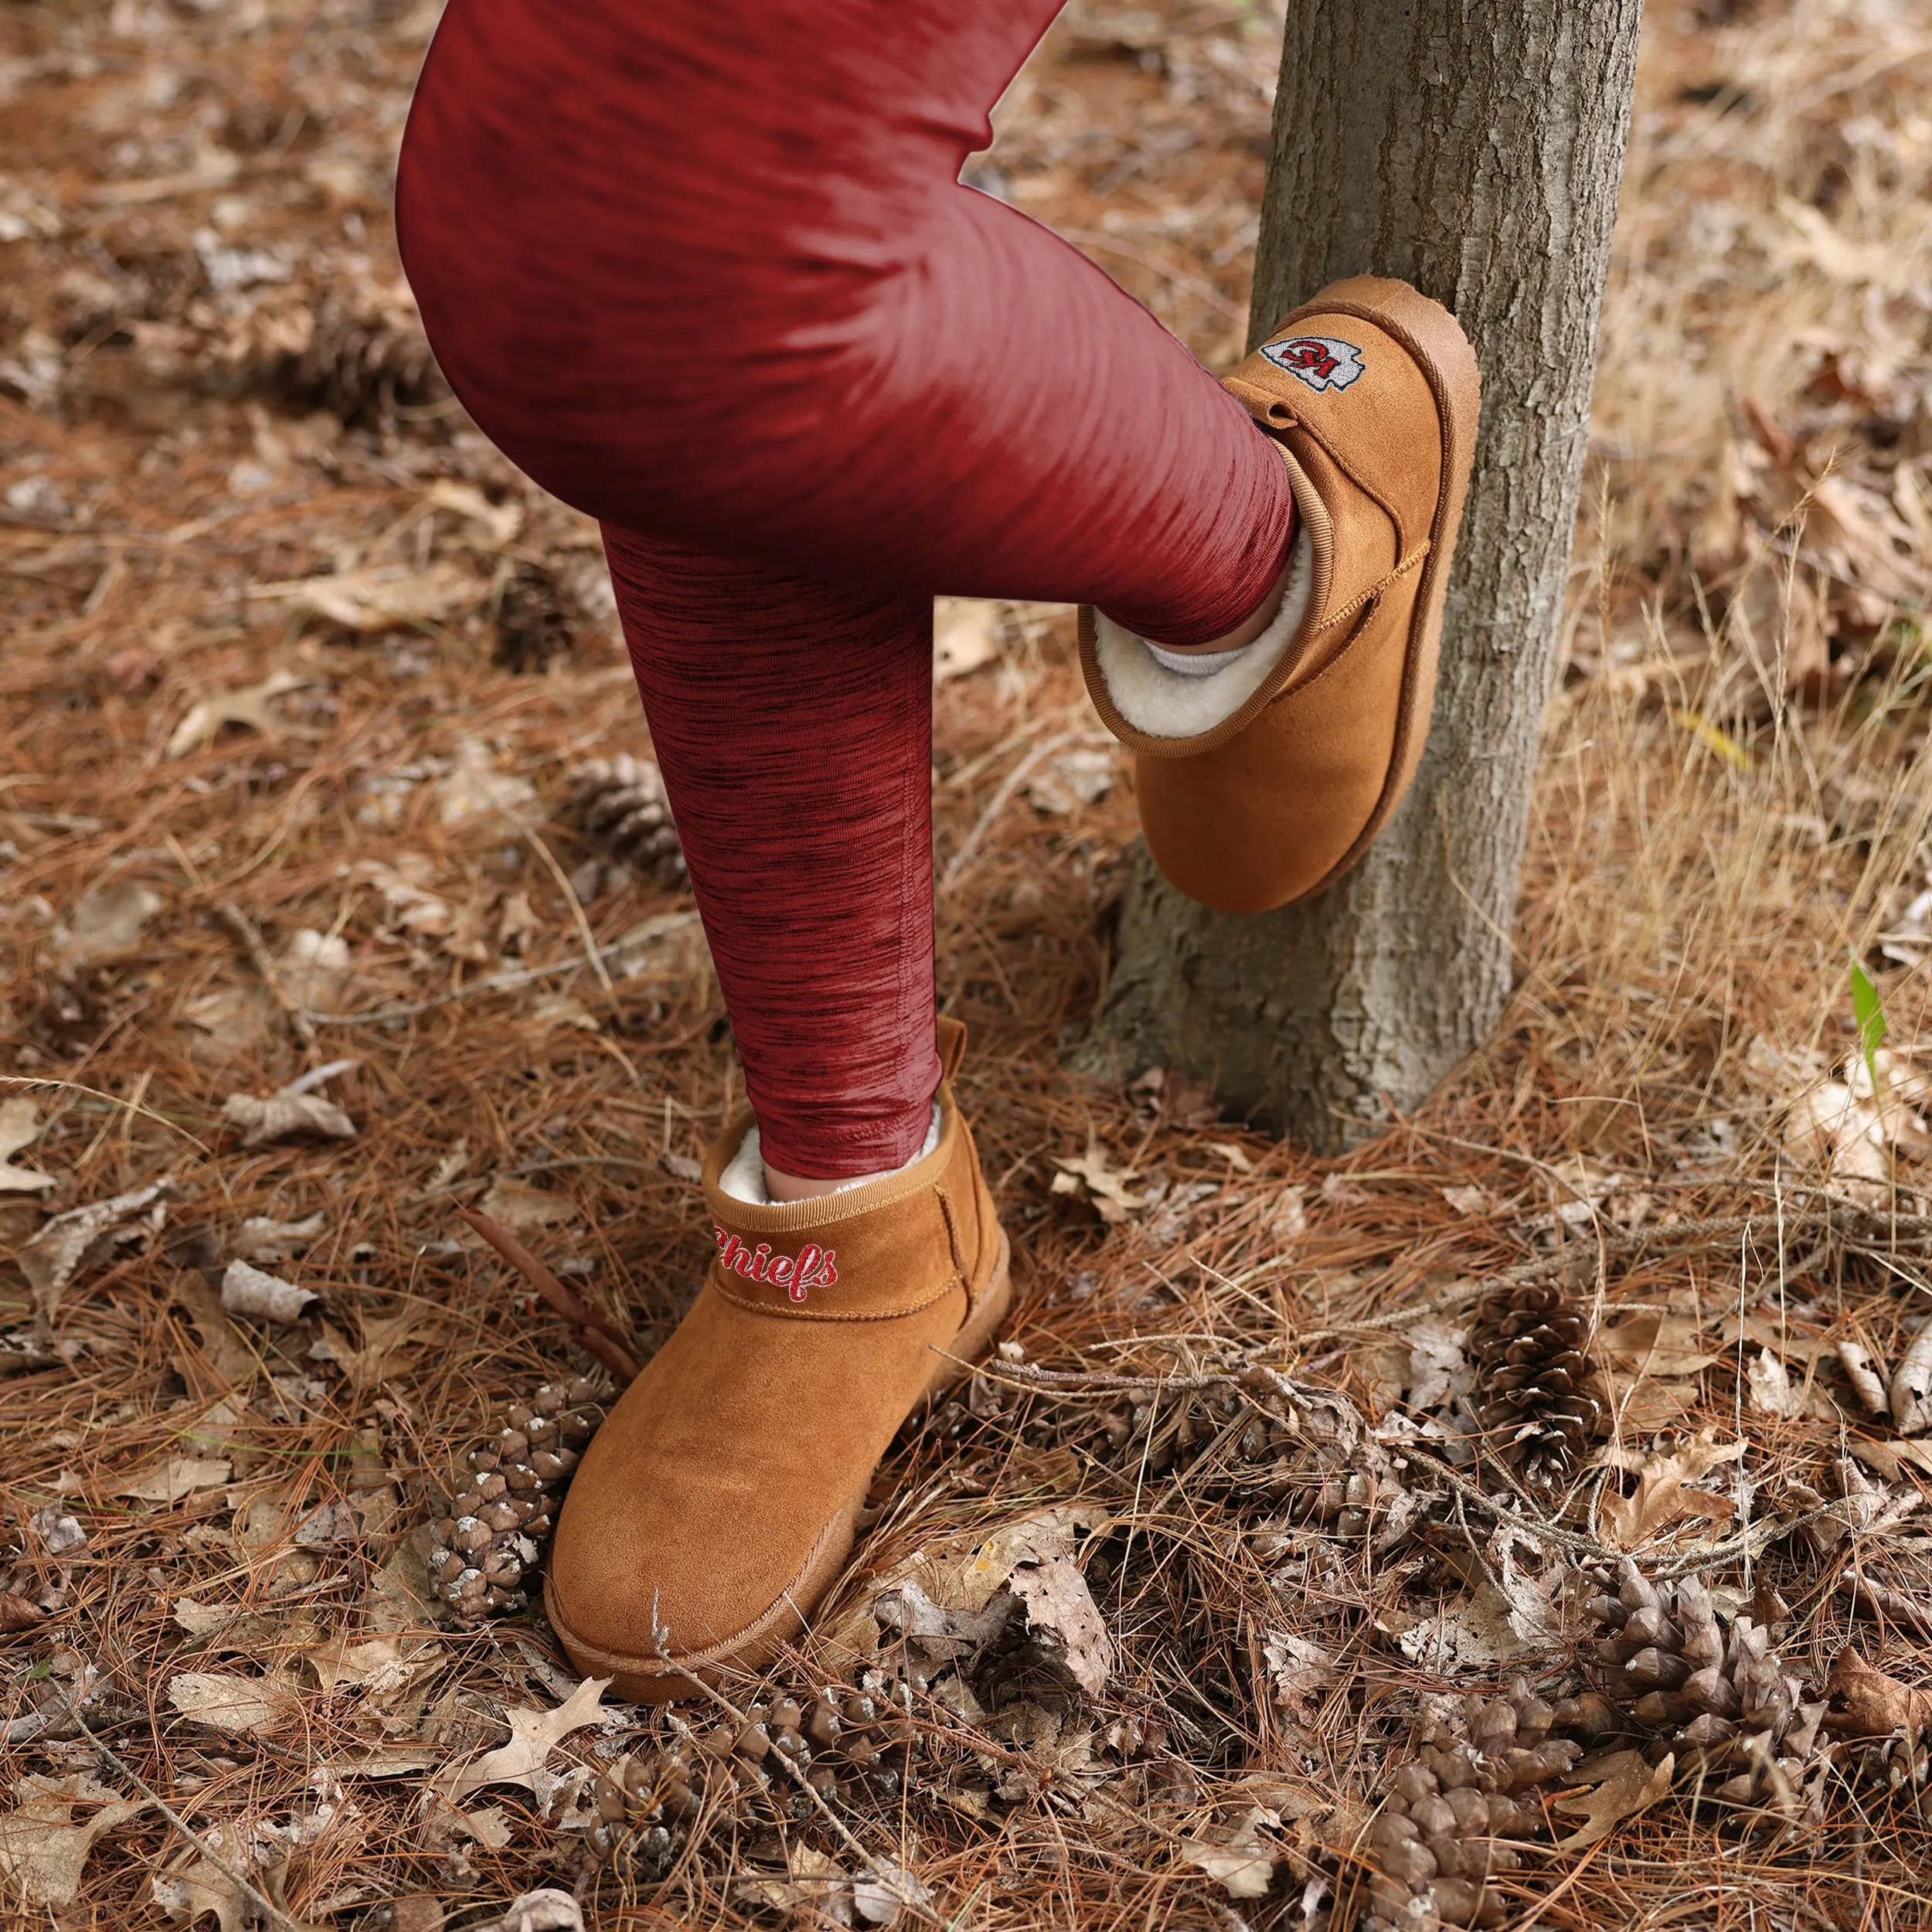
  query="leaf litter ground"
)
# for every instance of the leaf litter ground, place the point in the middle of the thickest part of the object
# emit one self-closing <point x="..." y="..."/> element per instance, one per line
<point x="1520" y="1520"/>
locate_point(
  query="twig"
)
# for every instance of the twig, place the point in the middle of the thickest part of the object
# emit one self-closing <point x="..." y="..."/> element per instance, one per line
<point x="589" y="1330"/>
<point x="253" y="944"/>
<point x="998" y="803"/>
<point x="592" y="954"/>
<point x="1879" y="1600"/>
<point x="260" y="1901"/>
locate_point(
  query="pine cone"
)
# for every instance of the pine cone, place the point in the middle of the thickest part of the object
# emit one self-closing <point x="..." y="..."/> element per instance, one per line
<point x="1309" y="1453"/>
<point x="850" y="1744"/>
<point x="533" y="625"/>
<point x="1537" y="1389"/>
<point x="1471" y="1786"/>
<point x="1665" y="1667"/>
<point x="620" y="802"/>
<point x="488" y="1542"/>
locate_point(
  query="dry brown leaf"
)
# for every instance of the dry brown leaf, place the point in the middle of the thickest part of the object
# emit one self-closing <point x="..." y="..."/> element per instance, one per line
<point x="1910" y="1394"/>
<point x="381" y="1336"/>
<point x="294" y="1112"/>
<point x="410" y="906"/>
<point x="1892" y="1459"/>
<point x="19" y="1127"/>
<point x="179" y="1476"/>
<point x="188" y="1896"/>
<point x="246" y="705"/>
<point x="815" y="1887"/>
<point x="107" y="925"/>
<point x="261" y="1238"/>
<point x="966" y="635"/>
<point x="1078" y="777"/>
<point x="1664" y="1496"/>
<point x="1242" y="1862"/>
<point x="55" y="1254"/>
<point x="1300" y="1674"/>
<point x="1865" y="1702"/>
<point x="547" y="1910"/>
<point x="501" y="521"/>
<point x="1064" y="1620"/>
<point x="519" y="1206"/>
<point x="534" y="1734"/>
<point x="224" y="1701"/>
<point x="267" y="1298"/>
<point x="42" y="1851"/>
<point x="1629" y="1785"/>
<point x="1094" y="1175"/>
<point x="1654" y="1344"/>
<point x="385" y="597"/>
<point x="1773" y="1392"/>
<point x="475" y="789"/>
<point x="380" y="1666"/>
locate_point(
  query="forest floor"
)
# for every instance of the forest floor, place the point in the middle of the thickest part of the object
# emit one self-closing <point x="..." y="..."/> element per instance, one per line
<point x="300" y="682"/>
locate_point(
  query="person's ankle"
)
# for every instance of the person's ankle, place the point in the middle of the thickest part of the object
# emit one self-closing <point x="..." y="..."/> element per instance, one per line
<point x="782" y="1187"/>
<point x="1251" y="627"/>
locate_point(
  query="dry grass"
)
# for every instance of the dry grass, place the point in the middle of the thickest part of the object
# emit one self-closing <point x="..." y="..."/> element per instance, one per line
<point x="1733" y="801"/>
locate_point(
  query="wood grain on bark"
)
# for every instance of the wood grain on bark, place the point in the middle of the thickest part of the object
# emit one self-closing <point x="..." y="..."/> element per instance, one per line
<point x="1474" y="148"/>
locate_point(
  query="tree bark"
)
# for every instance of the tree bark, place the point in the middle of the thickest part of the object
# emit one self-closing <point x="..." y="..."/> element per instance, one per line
<point x="1475" y="148"/>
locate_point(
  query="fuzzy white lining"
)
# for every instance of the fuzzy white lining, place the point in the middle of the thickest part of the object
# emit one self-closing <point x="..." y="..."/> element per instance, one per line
<point x="743" y="1178"/>
<point x="1173" y="704"/>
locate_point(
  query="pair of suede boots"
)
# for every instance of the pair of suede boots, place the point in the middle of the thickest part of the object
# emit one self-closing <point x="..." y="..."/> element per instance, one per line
<point x="718" y="1504"/>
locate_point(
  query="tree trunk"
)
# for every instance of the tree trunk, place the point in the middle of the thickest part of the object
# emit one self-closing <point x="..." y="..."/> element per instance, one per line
<point x="1473" y="148"/>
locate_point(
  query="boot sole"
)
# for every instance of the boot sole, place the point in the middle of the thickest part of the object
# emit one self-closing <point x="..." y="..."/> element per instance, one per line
<point x="1434" y="338"/>
<point x="645" y="1681"/>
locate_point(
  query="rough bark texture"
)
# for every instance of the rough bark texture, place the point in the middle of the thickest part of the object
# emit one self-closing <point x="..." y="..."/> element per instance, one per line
<point x="1473" y="148"/>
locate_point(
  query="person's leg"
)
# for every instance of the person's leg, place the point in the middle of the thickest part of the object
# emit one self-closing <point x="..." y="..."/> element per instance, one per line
<point x="793" y="723"/>
<point x="705" y="269"/>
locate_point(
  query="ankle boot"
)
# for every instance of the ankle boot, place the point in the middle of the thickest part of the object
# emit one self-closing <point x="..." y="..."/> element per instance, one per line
<point x="1263" y="782"/>
<point x="715" y="1507"/>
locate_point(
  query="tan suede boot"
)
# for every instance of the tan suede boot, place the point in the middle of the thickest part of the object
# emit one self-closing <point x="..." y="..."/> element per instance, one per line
<point x="1263" y="781"/>
<point x="720" y="1497"/>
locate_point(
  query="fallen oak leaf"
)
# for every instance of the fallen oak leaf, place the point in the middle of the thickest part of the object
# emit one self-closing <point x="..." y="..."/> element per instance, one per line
<point x="547" y="1910"/>
<point x="534" y="1734"/>
<point x="42" y="1850"/>
<point x="1664" y="1495"/>
<point x="17" y="1612"/>
<point x="1631" y="1786"/>
<point x="246" y="705"/>
<point x="225" y="1701"/>
<point x="107" y="925"/>
<point x="1242" y="1863"/>
<point x="55" y="1254"/>
<point x="384" y="597"/>
<point x="179" y="1476"/>
<point x="19" y="1127"/>
<point x="1103" y="1184"/>
<point x="262" y="1239"/>
<point x="292" y="1112"/>
<point x="1865" y="1702"/>
<point x="203" y="1888"/>
<point x="1911" y="1390"/>
<point x="248" y="1291"/>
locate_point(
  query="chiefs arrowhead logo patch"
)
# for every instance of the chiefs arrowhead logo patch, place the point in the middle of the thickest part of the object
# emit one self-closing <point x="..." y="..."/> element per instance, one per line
<point x="1320" y="360"/>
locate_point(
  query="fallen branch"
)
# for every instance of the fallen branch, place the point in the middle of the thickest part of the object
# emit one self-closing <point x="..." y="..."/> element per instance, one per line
<point x="589" y="1330"/>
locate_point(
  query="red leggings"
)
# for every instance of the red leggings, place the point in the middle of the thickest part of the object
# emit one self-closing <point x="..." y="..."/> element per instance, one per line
<point x="705" y="269"/>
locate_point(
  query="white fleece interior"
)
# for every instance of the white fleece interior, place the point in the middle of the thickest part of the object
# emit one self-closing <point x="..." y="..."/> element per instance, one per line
<point x="1169" y="703"/>
<point x="743" y="1178"/>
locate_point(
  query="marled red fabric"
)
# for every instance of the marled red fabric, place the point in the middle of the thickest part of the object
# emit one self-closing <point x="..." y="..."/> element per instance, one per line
<point x="705" y="269"/>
